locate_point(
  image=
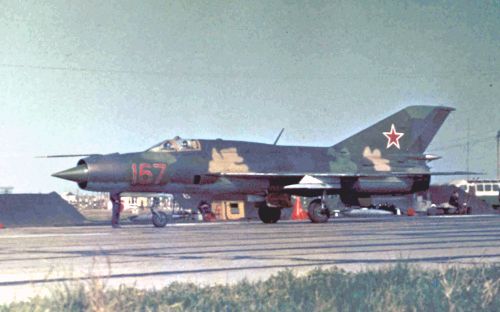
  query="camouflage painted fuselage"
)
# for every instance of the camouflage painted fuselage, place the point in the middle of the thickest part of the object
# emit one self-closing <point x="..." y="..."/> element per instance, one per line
<point x="209" y="170"/>
<point x="386" y="158"/>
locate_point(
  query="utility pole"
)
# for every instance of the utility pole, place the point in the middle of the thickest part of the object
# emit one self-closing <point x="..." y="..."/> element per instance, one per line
<point x="498" y="155"/>
<point x="468" y="147"/>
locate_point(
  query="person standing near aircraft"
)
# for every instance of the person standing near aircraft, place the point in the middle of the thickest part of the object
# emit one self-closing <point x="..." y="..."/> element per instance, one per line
<point x="454" y="199"/>
<point x="115" y="217"/>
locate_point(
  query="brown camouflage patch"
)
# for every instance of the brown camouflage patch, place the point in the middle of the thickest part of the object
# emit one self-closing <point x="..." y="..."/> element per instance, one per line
<point x="375" y="156"/>
<point x="226" y="160"/>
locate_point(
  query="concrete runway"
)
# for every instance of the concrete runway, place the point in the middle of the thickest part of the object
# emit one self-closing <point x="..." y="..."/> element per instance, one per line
<point x="34" y="260"/>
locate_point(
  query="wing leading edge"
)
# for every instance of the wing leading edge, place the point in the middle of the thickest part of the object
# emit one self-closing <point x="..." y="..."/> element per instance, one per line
<point x="251" y="175"/>
<point x="331" y="181"/>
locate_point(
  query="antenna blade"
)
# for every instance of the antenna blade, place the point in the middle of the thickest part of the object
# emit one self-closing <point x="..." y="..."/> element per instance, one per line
<point x="279" y="136"/>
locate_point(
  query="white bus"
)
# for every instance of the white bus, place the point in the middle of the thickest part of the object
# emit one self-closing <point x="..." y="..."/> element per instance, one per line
<point x="487" y="190"/>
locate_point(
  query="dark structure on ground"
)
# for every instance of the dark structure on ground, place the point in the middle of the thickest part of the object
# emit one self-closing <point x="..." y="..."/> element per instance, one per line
<point x="37" y="210"/>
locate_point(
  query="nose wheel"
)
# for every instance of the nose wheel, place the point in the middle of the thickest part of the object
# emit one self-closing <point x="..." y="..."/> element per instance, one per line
<point x="160" y="218"/>
<point x="318" y="211"/>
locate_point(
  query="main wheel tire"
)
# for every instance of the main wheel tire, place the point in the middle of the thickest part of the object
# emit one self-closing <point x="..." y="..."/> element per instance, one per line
<point x="160" y="219"/>
<point x="269" y="215"/>
<point x="316" y="213"/>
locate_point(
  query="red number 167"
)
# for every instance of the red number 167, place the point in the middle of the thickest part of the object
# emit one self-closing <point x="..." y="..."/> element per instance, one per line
<point x="146" y="174"/>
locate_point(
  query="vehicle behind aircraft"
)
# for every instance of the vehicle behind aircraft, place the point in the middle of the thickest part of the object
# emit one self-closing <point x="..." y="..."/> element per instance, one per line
<point x="487" y="190"/>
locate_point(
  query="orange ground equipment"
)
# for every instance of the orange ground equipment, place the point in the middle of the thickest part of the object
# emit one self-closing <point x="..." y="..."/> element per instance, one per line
<point x="298" y="212"/>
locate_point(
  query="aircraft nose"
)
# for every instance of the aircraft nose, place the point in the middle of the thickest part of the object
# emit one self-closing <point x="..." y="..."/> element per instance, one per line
<point x="78" y="174"/>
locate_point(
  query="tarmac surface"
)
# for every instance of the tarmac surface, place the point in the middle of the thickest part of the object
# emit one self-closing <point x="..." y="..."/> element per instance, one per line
<point x="33" y="261"/>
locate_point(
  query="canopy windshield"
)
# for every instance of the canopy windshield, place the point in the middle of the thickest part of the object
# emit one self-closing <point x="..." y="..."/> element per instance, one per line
<point x="176" y="144"/>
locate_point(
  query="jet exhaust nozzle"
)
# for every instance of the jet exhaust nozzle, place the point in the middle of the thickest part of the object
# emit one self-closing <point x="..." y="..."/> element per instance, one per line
<point x="78" y="174"/>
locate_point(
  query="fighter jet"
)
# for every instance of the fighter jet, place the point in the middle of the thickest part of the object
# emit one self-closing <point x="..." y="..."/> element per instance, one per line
<point x="384" y="159"/>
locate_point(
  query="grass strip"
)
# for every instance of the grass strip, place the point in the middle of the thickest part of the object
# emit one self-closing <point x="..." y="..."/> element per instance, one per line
<point x="398" y="288"/>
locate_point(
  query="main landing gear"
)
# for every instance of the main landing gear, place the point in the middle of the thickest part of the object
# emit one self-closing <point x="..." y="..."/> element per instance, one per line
<point x="159" y="218"/>
<point x="268" y="214"/>
<point x="318" y="211"/>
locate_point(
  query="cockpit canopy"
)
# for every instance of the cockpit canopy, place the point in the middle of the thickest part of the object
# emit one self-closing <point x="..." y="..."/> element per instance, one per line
<point x="176" y="144"/>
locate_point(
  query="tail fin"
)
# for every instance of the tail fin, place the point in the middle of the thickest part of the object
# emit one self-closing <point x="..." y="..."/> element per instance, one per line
<point x="408" y="131"/>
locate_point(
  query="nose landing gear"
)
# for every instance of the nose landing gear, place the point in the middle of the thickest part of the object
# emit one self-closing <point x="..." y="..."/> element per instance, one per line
<point x="159" y="218"/>
<point x="318" y="211"/>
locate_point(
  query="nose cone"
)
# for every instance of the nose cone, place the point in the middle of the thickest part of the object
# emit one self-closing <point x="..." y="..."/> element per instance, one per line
<point x="78" y="174"/>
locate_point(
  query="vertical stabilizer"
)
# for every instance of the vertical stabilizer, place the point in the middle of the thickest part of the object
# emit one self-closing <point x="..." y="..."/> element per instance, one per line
<point x="409" y="131"/>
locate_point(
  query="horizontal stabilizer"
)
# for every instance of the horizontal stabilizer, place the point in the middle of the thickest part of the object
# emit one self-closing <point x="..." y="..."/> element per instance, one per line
<point x="450" y="173"/>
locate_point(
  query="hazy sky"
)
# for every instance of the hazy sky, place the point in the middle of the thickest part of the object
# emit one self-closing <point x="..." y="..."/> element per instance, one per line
<point x="105" y="76"/>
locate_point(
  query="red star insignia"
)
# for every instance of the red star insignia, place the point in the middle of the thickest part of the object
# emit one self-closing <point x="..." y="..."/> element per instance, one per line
<point x="393" y="137"/>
